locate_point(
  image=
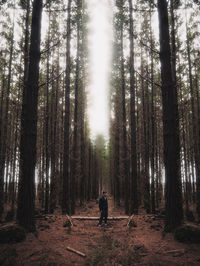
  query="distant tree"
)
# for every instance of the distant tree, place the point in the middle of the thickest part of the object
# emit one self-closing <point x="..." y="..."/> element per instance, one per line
<point x="194" y="121"/>
<point x="4" y="128"/>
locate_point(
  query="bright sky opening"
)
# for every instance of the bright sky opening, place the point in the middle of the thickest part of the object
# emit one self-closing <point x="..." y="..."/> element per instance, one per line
<point x="100" y="37"/>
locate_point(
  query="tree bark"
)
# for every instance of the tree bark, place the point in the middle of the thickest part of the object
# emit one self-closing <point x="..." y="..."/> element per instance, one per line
<point x="124" y="159"/>
<point x="47" y="123"/>
<point x="66" y="174"/>
<point x="173" y="193"/>
<point x="26" y="194"/>
<point x="134" y="192"/>
<point x="152" y="123"/>
<point x="194" y="126"/>
<point x="76" y="137"/>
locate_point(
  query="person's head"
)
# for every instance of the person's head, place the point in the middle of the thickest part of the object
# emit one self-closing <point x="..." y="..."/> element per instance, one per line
<point x="104" y="193"/>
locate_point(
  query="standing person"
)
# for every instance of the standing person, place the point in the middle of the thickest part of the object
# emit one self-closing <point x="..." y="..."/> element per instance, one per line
<point x="103" y="207"/>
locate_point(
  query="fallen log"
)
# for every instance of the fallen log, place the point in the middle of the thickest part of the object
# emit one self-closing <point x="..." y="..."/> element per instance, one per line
<point x="81" y="218"/>
<point x="76" y="252"/>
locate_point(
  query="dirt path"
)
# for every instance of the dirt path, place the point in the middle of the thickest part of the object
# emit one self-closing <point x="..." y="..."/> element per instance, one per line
<point x="115" y="244"/>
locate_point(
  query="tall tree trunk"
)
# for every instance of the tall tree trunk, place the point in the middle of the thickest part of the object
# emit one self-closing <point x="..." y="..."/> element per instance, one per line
<point x="198" y="127"/>
<point x="75" y="159"/>
<point x="15" y="148"/>
<point x="54" y="160"/>
<point x="47" y="123"/>
<point x="174" y="212"/>
<point x="3" y="88"/>
<point x="124" y="161"/>
<point x="3" y="135"/>
<point x="194" y="126"/>
<point x="145" y="149"/>
<point x="26" y="194"/>
<point x="134" y="192"/>
<point x="66" y="173"/>
<point x="152" y="123"/>
<point x="82" y="105"/>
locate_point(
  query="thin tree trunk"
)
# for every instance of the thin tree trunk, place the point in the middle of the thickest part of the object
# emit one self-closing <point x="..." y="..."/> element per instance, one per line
<point x="124" y="161"/>
<point x="152" y="124"/>
<point x="194" y="127"/>
<point x="76" y="139"/>
<point x="54" y="160"/>
<point x="47" y="124"/>
<point x="134" y="189"/>
<point x="5" y="127"/>
<point x="66" y="173"/>
<point x="145" y="149"/>
<point x="26" y="41"/>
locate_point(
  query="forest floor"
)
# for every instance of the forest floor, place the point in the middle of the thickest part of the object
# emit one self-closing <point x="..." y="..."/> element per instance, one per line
<point x="116" y="244"/>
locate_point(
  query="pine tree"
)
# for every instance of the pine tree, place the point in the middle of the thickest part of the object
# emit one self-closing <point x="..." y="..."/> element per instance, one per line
<point x="26" y="194"/>
<point x="174" y="212"/>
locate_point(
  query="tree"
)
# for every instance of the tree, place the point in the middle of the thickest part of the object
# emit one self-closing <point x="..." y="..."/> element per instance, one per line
<point x="4" y="129"/>
<point x="133" y="197"/>
<point x="66" y="152"/>
<point x="26" y="194"/>
<point x="174" y="212"/>
<point x="75" y="166"/>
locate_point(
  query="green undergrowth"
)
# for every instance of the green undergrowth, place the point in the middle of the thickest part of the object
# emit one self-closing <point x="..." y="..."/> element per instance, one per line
<point x="111" y="251"/>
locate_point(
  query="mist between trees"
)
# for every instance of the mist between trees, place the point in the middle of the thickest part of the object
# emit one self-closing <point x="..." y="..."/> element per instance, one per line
<point x="153" y="154"/>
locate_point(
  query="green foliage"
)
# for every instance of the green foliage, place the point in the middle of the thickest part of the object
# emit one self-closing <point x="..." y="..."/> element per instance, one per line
<point x="112" y="252"/>
<point x="105" y="252"/>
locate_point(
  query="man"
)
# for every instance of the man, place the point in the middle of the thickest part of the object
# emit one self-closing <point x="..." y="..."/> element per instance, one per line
<point x="103" y="207"/>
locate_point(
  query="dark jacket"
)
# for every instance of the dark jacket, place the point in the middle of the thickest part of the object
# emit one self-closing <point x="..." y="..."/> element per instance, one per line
<point x="103" y="204"/>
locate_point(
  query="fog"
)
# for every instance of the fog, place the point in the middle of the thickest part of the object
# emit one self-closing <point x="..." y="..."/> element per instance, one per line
<point x="100" y="38"/>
